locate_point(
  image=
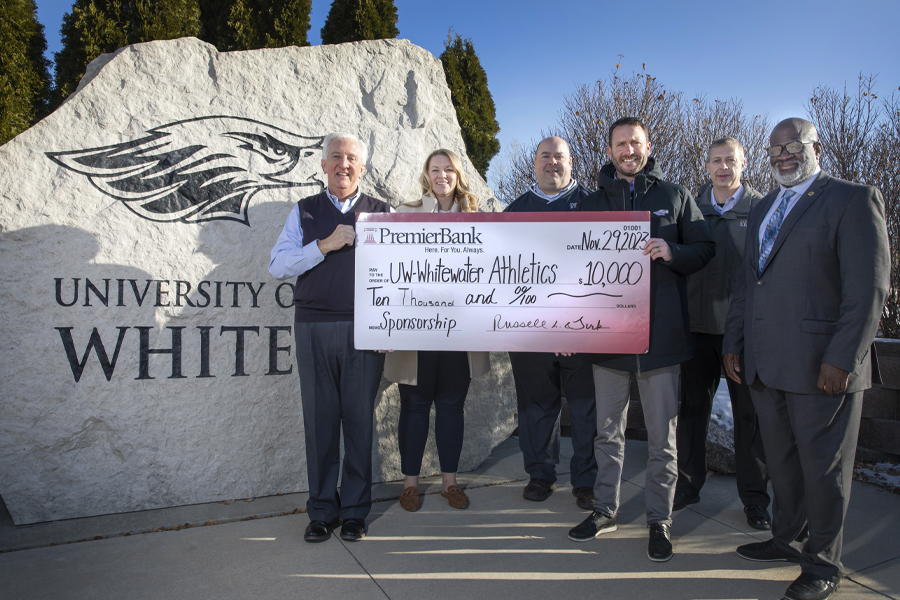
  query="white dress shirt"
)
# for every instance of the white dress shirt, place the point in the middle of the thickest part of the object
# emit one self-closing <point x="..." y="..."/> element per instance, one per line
<point x="798" y="190"/>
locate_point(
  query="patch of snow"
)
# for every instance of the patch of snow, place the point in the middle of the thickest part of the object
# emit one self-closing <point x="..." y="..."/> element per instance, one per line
<point x="886" y="475"/>
<point x="721" y="409"/>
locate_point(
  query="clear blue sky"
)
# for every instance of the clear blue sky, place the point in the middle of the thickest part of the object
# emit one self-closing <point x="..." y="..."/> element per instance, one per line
<point x="770" y="54"/>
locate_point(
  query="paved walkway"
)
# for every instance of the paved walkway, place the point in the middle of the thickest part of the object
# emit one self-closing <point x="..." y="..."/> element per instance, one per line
<point x="501" y="547"/>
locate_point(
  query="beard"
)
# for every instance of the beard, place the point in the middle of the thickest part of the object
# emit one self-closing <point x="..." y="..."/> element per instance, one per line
<point x="642" y="163"/>
<point x="806" y="167"/>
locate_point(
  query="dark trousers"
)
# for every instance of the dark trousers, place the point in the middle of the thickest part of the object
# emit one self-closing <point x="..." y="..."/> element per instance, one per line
<point x="541" y="379"/>
<point x="443" y="380"/>
<point x="699" y="381"/>
<point x="810" y="441"/>
<point x="338" y="387"/>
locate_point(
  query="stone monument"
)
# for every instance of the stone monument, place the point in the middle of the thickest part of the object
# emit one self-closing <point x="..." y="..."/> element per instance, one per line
<point x="148" y="356"/>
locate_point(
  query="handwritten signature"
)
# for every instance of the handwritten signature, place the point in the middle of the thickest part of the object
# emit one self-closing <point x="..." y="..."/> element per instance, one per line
<point x="501" y="324"/>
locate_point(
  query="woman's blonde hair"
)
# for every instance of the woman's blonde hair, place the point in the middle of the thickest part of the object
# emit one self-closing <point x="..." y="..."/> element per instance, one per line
<point x="466" y="199"/>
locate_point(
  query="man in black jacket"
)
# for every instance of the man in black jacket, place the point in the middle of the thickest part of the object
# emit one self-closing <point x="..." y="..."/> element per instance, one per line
<point x="725" y="203"/>
<point x="541" y="377"/>
<point x="679" y="244"/>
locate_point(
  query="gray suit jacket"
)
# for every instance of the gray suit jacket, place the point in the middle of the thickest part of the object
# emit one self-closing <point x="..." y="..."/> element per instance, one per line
<point x="820" y="296"/>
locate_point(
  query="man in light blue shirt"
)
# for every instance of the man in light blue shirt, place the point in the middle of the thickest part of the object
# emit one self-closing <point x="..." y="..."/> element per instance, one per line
<point x="726" y="204"/>
<point x="338" y="384"/>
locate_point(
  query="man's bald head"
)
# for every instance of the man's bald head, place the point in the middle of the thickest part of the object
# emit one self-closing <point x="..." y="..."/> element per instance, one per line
<point x="553" y="165"/>
<point x="552" y="141"/>
<point x="802" y="127"/>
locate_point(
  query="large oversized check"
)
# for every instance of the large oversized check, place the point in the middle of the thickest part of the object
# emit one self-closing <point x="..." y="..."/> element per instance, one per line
<point x="542" y="282"/>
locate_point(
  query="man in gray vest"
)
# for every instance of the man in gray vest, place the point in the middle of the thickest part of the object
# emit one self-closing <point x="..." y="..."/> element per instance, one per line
<point x="725" y="203"/>
<point x="338" y="383"/>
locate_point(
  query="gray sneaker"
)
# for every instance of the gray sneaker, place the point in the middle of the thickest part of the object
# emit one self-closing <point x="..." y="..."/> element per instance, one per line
<point x="595" y="525"/>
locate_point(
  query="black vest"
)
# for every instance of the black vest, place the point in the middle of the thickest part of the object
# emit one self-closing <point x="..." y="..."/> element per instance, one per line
<point x="325" y="292"/>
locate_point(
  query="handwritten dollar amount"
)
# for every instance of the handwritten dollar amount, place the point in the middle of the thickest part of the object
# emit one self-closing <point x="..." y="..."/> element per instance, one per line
<point x="614" y="274"/>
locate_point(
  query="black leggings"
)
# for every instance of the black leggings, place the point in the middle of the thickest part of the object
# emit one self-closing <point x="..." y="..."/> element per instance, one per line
<point x="443" y="379"/>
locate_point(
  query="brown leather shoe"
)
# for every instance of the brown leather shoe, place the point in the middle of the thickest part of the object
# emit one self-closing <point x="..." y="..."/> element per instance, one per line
<point x="456" y="497"/>
<point x="409" y="499"/>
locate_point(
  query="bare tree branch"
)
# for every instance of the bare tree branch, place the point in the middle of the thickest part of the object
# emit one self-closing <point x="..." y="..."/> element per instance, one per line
<point x="680" y="132"/>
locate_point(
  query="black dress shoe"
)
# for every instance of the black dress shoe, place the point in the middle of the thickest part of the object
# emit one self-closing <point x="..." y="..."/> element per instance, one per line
<point x="353" y="530"/>
<point x="538" y="490"/>
<point x="319" y="531"/>
<point x="767" y="552"/>
<point x="758" y="517"/>
<point x="682" y="500"/>
<point x="584" y="497"/>
<point x="811" y="587"/>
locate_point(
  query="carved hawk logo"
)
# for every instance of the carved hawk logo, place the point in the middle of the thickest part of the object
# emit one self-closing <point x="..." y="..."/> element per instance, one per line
<point x="200" y="169"/>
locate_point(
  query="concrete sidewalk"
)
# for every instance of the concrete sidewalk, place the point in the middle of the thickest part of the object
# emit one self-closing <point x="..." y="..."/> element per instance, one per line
<point x="501" y="547"/>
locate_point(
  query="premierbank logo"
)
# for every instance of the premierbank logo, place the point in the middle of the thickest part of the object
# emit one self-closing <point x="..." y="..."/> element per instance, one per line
<point x="442" y="235"/>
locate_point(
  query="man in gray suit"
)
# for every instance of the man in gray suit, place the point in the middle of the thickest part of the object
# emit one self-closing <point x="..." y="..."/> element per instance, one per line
<point x="811" y="290"/>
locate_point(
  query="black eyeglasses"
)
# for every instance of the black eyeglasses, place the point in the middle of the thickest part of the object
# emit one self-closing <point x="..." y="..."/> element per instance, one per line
<point x="793" y="148"/>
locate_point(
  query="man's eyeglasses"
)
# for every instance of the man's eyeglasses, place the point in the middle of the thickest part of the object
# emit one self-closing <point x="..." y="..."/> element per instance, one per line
<point x="793" y="148"/>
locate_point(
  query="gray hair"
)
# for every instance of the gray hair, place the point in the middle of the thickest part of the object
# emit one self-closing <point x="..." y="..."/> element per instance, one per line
<point x="344" y="136"/>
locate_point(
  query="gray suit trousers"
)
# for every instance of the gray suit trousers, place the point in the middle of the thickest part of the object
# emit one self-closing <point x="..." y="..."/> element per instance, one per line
<point x="659" y="400"/>
<point x="810" y="444"/>
<point x="338" y="388"/>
